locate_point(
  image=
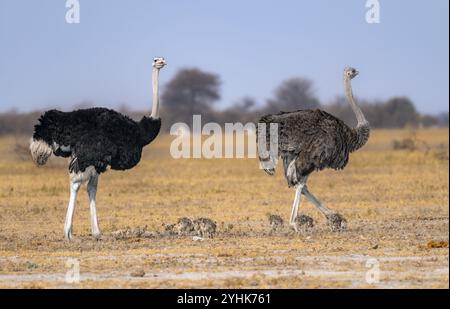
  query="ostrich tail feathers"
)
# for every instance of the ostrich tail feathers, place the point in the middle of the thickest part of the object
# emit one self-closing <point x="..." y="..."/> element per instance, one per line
<point x="268" y="166"/>
<point x="40" y="151"/>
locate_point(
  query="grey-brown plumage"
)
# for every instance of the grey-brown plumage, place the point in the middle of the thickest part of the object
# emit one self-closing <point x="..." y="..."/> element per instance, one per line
<point x="311" y="140"/>
<point x="315" y="140"/>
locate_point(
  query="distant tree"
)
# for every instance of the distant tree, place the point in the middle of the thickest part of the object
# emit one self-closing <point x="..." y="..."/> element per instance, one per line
<point x="374" y="112"/>
<point x="428" y="121"/>
<point x="399" y="112"/>
<point x="340" y="108"/>
<point x="293" y="94"/>
<point x="245" y="104"/>
<point x="13" y="122"/>
<point x="241" y="111"/>
<point x="395" y="113"/>
<point x="191" y="91"/>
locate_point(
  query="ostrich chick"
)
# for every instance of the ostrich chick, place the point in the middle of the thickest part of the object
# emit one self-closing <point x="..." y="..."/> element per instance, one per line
<point x="336" y="222"/>
<point x="205" y="227"/>
<point x="184" y="226"/>
<point x="275" y="221"/>
<point x="303" y="223"/>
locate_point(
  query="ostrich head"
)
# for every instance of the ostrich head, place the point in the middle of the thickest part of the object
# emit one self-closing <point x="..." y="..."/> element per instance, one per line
<point x="159" y="62"/>
<point x="350" y="72"/>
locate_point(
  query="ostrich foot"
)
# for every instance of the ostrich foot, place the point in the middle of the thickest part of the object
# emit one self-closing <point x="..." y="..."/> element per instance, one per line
<point x="303" y="223"/>
<point x="97" y="235"/>
<point x="68" y="234"/>
<point x="336" y="222"/>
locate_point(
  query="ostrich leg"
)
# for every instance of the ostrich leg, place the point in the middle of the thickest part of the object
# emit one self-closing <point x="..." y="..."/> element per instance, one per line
<point x="74" y="187"/>
<point x="326" y="211"/>
<point x="335" y="221"/>
<point x="294" y="212"/>
<point x="92" y="192"/>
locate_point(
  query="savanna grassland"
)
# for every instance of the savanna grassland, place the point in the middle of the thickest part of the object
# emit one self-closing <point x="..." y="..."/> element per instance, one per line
<point x="395" y="201"/>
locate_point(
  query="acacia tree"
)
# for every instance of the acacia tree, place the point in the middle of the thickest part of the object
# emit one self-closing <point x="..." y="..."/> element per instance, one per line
<point x="191" y="91"/>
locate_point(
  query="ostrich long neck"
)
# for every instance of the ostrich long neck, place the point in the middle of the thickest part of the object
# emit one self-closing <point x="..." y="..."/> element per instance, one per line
<point x="356" y="109"/>
<point x="155" y="81"/>
<point x="362" y="129"/>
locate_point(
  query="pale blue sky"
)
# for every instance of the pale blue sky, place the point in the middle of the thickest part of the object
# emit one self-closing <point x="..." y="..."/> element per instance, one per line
<point x="252" y="45"/>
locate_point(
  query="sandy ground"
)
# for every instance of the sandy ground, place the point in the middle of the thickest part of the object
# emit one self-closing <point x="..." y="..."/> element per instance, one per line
<point x="395" y="201"/>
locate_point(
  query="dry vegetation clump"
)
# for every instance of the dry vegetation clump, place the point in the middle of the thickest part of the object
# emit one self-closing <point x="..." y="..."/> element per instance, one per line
<point x="137" y="273"/>
<point x="411" y="142"/>
<point x="404" y="144"/>
<point x="441" y="152"/>
<point x="432" y="244"/>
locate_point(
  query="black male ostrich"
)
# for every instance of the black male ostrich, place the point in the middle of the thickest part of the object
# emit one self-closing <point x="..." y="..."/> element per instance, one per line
<point x="94" y="139"/>
<point x="310" y="140"/>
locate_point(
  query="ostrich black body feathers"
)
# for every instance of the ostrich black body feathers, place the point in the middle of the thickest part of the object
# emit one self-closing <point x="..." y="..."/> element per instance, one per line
<point x="97" y="137"/>
<point x="314" y="140"/>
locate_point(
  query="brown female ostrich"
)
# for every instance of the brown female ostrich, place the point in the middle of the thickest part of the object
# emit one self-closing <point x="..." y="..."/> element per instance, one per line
<point x="310" y="140"/>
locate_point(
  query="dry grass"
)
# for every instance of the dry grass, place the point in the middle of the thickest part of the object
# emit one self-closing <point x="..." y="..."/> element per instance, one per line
<point x="395" y="201"/>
